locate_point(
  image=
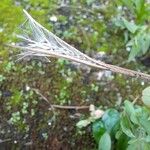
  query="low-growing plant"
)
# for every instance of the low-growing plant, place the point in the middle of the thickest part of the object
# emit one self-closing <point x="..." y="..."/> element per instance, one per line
<point x="136" y="26"/>
<point x="128" y="129"/>
<point x="137" y="37"/>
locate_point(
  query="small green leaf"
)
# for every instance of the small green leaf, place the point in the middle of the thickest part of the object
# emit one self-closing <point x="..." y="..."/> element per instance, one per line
<point x="16" y="98"/>
<point x="89" y="2"/>
<point x="146" y="96"/>
<point x="83" y="123"/>
<point x="134" y="52"/>
<point x="118" y="134"/>
<point x="2" y="78"/>
<point x="130" y="26"/>
<point x="119" y="23"/>
<point x="105" y="142"/>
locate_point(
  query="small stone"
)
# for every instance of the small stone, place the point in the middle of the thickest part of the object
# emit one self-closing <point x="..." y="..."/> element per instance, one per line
<point x="53" y="18"/>
<point x="92" y="107"/>
<point x="128" y="49"/>
<point x="27" y="88"/>
<point x="15" y="142"/>
<point x="49" y="123"/>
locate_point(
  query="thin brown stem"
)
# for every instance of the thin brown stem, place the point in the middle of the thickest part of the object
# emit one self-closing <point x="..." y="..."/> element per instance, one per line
<point x="58" y="106"/>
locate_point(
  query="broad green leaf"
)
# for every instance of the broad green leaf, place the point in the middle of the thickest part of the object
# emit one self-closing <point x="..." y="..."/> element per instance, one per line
<point x="147" y="146"/>
<point x="129" y="109"/>
<point x="146" y="100"/>
<point x="130" y="26"/>
<point x="147" y="138"/>
<point x="89" y="2"/>
<point x="146" y="91"/>
<point x="98" y="130"/>
<point x="105" y="142"/>
<point x="144" y="119"/>
<point x="144" y="42"/>
<point x="126" y="126"/>
<point x="139" y="145"/>
<point x="146" y="96"/>
<point x="134" y="52"/>
<point x="110" y="119"/>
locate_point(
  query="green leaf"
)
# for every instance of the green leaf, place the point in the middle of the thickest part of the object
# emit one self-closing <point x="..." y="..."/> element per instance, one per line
<point x="139" y="144"/>
<point x="83" y="123"/>
<point x="144" y="42"/>
<point x="105" y="142"/>
<point x="98" y="130"/>
<point x="139" y="6"/>
<point x="134" y="51"/>
<point x="146" y="96"/>
<point x="122" y="142"/>
<point x="144" y="119"/>
<point x="147" y="138"/>
<point x="130" y="26"/>
<point x="146" y="91"/>
<point x="2" y="78"/>
<point x="119" y="23"/>
<point x="146" y="100"/>
<point x="89" y="2"/>
<point x="126" y="126"/>
<point x="111" y="119"/>
<point x="16" y="98"/>
<point x="146" y="146"/>
<point x="129" y="109"/>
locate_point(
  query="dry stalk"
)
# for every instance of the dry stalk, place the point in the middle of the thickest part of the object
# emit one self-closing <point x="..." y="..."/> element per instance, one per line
<point x="43" y="43"/>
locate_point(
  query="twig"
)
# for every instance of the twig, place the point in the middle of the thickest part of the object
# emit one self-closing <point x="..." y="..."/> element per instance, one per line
<point x="42" y="96"/>
<point x="58" y="106"/>
<point x="135" y="100"/>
